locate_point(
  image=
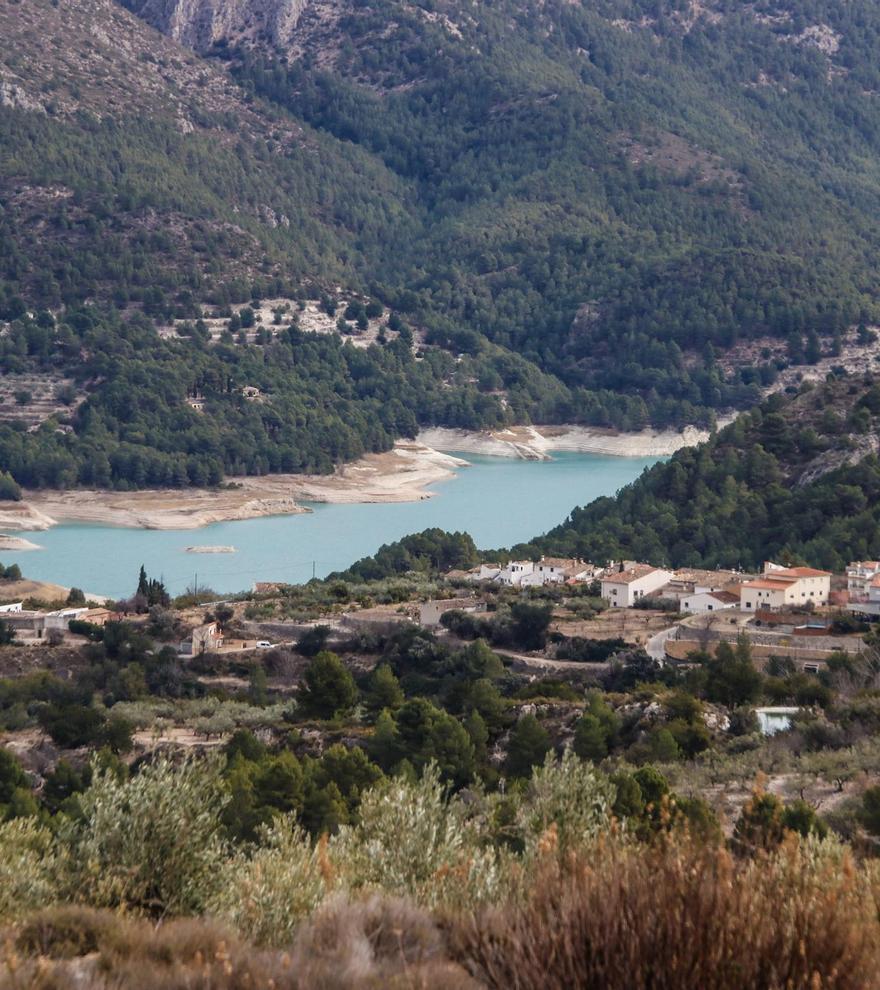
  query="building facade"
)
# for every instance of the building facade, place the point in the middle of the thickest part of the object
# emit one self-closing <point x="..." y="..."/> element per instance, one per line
<point x="781" y="587"/>
<point x="624" y="588"/>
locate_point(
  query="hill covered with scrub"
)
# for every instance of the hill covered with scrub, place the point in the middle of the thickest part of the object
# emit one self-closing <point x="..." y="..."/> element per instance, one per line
<point x="798" y="478"/>
<point x="616" y="214"/>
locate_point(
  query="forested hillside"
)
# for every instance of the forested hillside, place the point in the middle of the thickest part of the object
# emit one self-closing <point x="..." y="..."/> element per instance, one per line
<point x="797" y="479"/>
<point x="611" y="213"/>
<point x="620" y="177"/>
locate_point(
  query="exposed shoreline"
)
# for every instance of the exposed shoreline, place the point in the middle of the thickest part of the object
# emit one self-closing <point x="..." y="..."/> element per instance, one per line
<point x="539" y="442"/>
<point x="404" y="474"/>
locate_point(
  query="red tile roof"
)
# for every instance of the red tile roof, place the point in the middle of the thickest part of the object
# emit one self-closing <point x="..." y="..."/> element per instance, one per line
<point x="633" y="574"/>
<point x="799" y="572"/>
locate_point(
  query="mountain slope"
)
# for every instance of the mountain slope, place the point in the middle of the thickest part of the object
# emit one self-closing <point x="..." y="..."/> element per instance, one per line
<point x="796" y="479"/>
<point x="132" y="165"/>
<point x="613" y="213"/>
<point x="645" y="177"/>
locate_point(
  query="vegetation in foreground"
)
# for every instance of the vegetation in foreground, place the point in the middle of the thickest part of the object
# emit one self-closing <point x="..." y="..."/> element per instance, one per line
<point x="426" y="890"/>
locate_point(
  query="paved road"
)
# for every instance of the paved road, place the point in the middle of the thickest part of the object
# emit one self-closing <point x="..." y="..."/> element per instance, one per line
<point x="655" y="647"/>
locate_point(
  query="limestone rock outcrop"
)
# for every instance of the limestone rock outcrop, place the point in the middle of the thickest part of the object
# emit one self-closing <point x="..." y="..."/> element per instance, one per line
<point x="199" y="24"/>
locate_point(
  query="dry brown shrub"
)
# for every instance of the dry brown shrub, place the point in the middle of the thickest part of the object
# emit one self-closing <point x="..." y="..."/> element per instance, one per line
<point x="375" y="942"/>
<point x="97" y="950"/>
<point x="681" y="916"/>
<point x="66" y="931"/>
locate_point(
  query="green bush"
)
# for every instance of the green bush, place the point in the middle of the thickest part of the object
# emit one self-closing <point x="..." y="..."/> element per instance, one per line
<point x="152" y="843"/>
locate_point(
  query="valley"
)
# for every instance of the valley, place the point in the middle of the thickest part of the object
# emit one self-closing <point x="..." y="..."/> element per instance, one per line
<point x="439" y="494"/>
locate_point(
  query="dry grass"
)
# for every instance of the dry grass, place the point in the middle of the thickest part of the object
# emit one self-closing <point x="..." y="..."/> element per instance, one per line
<point x="679" y="916"/>
<point x="377" y="943"/>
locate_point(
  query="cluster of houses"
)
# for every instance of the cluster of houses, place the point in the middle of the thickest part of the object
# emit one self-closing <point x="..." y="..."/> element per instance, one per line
<point x="624" y="584"/>
<point x="531" y="573"/>
<point x="711" y="591"/>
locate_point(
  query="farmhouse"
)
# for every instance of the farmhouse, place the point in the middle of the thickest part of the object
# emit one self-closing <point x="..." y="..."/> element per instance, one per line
<point x="689" y="581"/>
<point x="205" y="639"/>
<point x="870" y="603"/>
<point x="557" y="570"/>
<point x="779" y="586"/>
<point x="709" y="601"/>
<point x="624" y="588"/>
<point x="515" y="572"/>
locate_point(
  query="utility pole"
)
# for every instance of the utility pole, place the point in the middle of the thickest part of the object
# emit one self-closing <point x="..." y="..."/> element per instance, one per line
<point x="313" y="569"/>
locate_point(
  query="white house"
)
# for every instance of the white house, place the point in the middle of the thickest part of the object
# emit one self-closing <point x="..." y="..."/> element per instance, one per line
<point x="528" y="574"/>
<point x="859" y="575"/>
<point x="488" y="572"/>
<point x="870" y="605"/>
<point x="709" y="601"/>
<point x="687" y="581"/>
<point x="558" y="570"/>
<point x="781" y="587"/>
<point x="624" y="588"/>
<point x="204" y="639"/>
<point x="514" y="572"/>
<point x="11" y="607"/>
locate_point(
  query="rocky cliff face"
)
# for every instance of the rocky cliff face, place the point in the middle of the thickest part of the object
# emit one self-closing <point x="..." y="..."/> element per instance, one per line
<point x="198" y="24"/>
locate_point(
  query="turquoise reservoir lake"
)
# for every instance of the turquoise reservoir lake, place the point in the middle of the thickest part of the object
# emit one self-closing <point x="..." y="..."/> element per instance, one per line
<point x="499" y="501"/>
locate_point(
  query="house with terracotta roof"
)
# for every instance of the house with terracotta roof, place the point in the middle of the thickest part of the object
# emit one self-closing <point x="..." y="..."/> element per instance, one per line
<point x="781" y="587"/>
<point x="624" y="588"/>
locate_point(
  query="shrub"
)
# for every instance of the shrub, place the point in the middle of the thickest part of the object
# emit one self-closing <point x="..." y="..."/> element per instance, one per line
<point x="679" y="915"/>
<point x="571" y="797"/>
<point x="375" y="942"/>
<point x="66" y="931"/>
<point x="29" y="868"/>
<point x="152" y="843"/>
<point x="412" y="841"/>
<point x="267" y="894"/>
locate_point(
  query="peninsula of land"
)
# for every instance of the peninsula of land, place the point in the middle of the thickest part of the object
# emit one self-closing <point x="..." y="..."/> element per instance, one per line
<point x="403" y="474"/>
